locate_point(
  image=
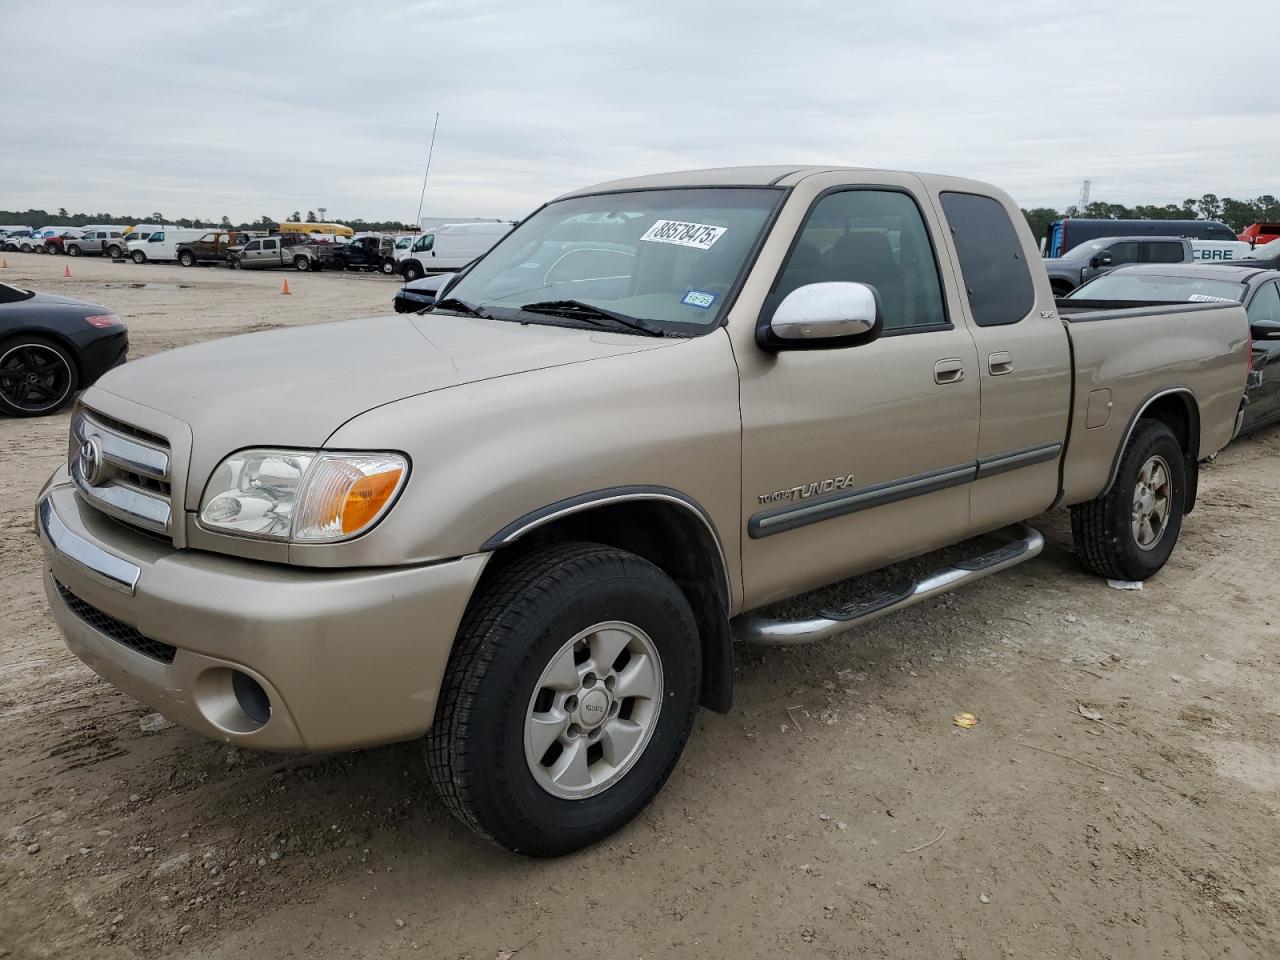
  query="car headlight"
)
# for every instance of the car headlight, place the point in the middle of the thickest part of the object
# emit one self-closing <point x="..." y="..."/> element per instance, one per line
<point x="301" y="495"/>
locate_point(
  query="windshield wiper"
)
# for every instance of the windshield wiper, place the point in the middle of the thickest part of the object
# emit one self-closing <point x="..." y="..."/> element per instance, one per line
<point x="461" y="306"/>
<point x="578" y="310"/>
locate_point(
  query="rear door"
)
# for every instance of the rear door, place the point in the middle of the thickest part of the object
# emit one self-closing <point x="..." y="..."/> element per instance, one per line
<point x="1024" y="359"/>
<point x="1163" y="251"/>
<point x="854" y="458"/>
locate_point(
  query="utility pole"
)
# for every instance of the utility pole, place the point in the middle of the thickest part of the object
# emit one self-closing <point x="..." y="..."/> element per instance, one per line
<point x="1083" y="205"/>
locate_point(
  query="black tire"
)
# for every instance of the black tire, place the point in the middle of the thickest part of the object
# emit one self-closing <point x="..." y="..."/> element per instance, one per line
<point x="233" y="263"/>
<point x="413" y="271"/>
<point x="187" y="258"/>
<point x="389" y="267"/>
<point x="512" y="630"/>
<point x="73" y="251"/>
<point x="138" y="256"/>
<point x="24" y="357"/>
<point x="301" y="263"/>
<point x="1103" y="528"/>
<point x="25" y="248"/>
<point x="114" y="252"/>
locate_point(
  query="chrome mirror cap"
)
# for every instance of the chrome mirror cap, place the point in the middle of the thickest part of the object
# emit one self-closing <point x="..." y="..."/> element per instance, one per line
<point x="831" y="314"/>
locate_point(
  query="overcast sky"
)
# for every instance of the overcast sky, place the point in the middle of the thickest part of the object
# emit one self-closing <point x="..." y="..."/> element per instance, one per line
<point x="250" y="109"/>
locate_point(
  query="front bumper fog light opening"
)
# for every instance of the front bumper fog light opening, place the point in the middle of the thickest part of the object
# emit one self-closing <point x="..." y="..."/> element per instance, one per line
<point x="232" y="700"/>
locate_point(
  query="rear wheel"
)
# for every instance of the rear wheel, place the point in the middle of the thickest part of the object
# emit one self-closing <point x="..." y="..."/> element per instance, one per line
<point x="37" y="376"/>
<point x="1129" y="532"/>
<point x="569" y="696"/>
<point x="113" y="252"/>
<point x="388" y="267"/>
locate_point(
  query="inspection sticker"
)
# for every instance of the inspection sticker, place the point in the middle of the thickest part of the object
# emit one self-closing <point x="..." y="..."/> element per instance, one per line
<point x="699" y="298"/>
<point x="1205" y="298"/>
<point x="701" y="236"/>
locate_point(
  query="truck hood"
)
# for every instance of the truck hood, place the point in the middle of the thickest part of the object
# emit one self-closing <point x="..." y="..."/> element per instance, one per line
<point x="296" y="386"/>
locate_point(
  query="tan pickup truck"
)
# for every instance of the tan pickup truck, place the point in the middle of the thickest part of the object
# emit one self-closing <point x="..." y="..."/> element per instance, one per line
<point x="528" y="525"/>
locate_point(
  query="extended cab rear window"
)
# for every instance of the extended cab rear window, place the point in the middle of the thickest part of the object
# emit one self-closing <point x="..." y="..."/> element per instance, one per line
<point x="996" y="277"/>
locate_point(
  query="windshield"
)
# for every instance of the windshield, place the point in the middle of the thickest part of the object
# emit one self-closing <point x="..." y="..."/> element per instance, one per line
<point x="1264" y="251"/>
<point x="669" y="256"/>
<point x="1123" y="285"/>
<point x="1088" y="248"/>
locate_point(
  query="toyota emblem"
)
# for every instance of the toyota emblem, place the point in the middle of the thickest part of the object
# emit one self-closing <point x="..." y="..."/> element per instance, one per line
<point x="90" y="461"/>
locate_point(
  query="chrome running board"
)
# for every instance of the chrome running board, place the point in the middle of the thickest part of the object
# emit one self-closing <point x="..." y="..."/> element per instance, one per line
<point x="750" y="628"/>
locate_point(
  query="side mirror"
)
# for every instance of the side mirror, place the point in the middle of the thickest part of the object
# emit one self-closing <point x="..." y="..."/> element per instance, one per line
<point x="1101" y="260"/>
<point x="1265" y="330"/>
<point x="821" y="316"/>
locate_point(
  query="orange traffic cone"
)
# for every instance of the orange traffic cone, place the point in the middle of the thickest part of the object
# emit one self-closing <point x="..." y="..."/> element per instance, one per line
<point x="285" y="287"/>
<point x="66" y="271"/>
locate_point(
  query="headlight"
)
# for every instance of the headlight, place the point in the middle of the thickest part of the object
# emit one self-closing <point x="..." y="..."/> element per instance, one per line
<point x="301" y="495"/>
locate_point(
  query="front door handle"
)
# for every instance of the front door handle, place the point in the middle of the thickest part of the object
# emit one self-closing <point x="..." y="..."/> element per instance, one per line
<point x="948" y="371"/>
<point x="1000" y="363"/>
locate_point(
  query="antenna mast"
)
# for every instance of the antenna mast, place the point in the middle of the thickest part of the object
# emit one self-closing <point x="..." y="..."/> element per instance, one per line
<point x="430" y="150"/>
<point x="1083" y="203"/>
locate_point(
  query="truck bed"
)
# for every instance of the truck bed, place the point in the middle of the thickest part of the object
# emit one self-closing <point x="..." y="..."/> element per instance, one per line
<point x="1200" y="351"/>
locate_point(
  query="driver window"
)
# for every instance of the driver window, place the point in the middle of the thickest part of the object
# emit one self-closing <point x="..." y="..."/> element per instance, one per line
<point x="156" y="237"/>
<point x="876" y="237"/>
<point x="1123" y="253"/>
<point x="425" y="243"/>
<point x="1266" y="305"/>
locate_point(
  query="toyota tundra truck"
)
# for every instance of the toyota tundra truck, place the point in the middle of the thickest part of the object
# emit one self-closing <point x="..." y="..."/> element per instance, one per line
<point x="527" y="527"/>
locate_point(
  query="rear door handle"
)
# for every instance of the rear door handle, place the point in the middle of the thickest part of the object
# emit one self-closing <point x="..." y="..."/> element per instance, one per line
<point x="948" y="371"/>
<point x="1000" y="363"/>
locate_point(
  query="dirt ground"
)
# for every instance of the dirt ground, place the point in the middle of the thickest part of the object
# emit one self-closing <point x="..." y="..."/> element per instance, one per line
<point x="836" y="812"/>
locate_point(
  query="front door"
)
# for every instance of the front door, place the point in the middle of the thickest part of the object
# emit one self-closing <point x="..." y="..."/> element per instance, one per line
<point x="854" y="458"/>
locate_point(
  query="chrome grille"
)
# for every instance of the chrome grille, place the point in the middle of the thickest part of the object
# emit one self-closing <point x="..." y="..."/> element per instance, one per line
<point x="122" y="471"/>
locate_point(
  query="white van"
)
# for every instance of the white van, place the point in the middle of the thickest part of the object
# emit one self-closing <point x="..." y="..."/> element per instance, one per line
<point x="162" y="244"/>
<point x="450" y="246"/>
<point x="1218" y="251"/>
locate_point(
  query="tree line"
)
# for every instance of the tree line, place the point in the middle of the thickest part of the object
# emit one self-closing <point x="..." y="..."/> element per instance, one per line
<point x="1237" y="214"/>
<point x="61" y="218"/>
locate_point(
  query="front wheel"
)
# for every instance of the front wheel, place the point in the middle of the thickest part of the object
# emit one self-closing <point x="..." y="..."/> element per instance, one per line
<point x="569" y="696"/>
<point x="301" y="264"/>
<point x="187" y="258"/>
<point x="233" y="263"/>
<point x="37" y="376"/>
<point x="139" y="257"/>
<point x="388" y="267"/>
<point x="73" y="251"/>
<point x="413" y="271"/>
<point x="1129" y="532"/>
<point x="113" y="253"/>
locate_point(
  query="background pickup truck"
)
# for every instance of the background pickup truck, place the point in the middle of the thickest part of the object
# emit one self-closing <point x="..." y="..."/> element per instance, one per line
<point x="366" y="253"/>
<point x="284" y="250"/>
<point x="211" y="248"/>
<point x="1093" y="258"/>
<point x="528" y="525"/>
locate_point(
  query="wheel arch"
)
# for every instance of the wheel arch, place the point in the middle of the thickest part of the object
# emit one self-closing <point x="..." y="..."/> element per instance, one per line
<point x="1179" y="410"/>
<point x="665" y="527"/>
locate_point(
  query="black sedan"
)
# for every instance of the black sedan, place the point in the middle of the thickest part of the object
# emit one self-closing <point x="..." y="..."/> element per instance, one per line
<point x="52" y="346"/>
<point x="1258" y="289"/>
<point x="416" y="294"/>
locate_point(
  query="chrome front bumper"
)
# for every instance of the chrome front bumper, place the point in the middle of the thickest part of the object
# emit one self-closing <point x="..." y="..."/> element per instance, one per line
<point x="344" y="658"/>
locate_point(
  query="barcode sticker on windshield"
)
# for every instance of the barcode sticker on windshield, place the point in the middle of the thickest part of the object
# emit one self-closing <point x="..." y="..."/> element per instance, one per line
<point x="1205" y="298"/>
<point x="701" y="236"/>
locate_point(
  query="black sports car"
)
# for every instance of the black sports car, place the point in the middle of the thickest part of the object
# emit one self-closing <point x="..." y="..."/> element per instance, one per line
<point x="52" y="346"/>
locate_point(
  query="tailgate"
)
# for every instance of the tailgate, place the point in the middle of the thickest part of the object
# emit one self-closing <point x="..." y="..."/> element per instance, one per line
<point x="1124" y="359"/>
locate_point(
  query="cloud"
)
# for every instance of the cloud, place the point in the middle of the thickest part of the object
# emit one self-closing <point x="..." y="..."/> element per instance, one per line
<point x="251" y="109"/>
